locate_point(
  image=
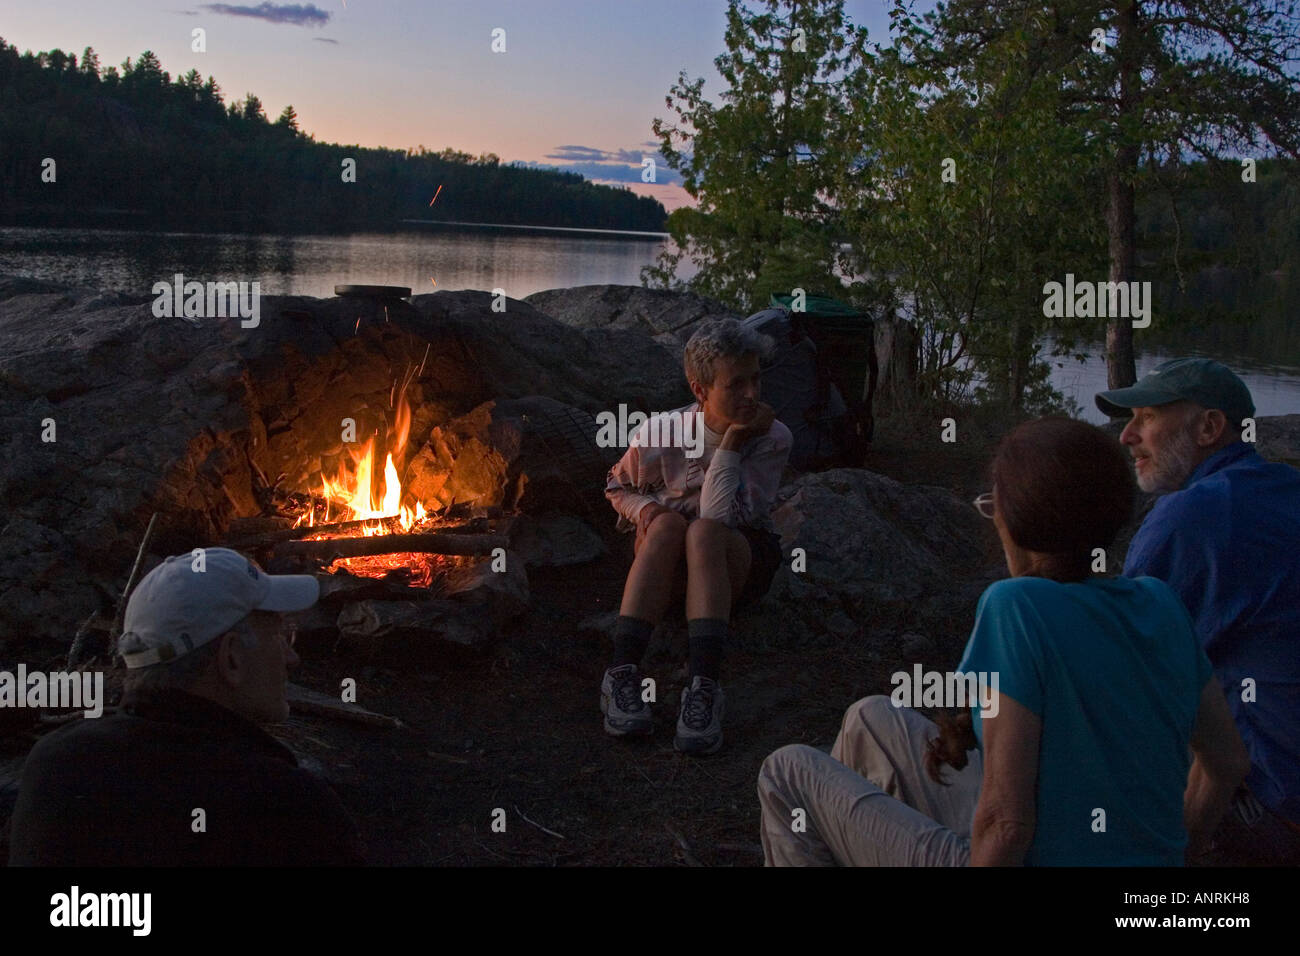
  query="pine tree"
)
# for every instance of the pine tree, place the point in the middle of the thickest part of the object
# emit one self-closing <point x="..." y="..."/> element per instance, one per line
<point x="212" y="96"/>
<point x="761" y="162"/>
<point x="191" y="85"/>
<point x="288" y="119"/>
<point x="90" y="63"/>
<point x="252" y="109"/>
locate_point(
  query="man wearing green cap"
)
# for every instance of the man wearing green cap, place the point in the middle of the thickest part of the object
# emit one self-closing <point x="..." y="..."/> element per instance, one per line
<point x="1225" y="535"/>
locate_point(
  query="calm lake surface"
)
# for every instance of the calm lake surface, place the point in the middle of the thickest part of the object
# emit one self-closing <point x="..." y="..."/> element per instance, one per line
<point x="445" y="259"/>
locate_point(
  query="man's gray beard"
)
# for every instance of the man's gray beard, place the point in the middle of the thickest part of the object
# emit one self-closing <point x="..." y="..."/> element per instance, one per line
<point x="1177" y="461"/>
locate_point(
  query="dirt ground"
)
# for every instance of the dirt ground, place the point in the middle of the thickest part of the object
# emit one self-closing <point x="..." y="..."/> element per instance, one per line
<point x="517" y="727"/>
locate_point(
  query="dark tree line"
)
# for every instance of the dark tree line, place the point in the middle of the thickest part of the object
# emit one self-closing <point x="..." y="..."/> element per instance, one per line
<point x="134" y="144"/>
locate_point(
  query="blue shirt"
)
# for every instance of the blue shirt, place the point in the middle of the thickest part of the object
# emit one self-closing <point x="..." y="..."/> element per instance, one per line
<point x="1112" y="668"/>
<point x="1228" y="543"/>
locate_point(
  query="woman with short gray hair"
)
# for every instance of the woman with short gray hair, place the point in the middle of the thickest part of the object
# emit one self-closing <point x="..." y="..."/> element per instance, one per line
<point x="701" y="516"/>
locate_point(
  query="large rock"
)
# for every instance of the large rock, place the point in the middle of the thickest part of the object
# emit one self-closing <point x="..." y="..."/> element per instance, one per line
<point x="556" y="540"/>
<point x="1278" y="438"/>
<point x="880" y="557"/>
<point x="531" y="454"/>
<point x="882" y="562"/>
<point x="109" y="413"/>
<point x="669" y="317"/>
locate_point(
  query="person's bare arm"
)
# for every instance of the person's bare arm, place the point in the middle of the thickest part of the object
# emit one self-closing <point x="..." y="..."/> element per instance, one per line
<point x="1006" y="815"/>
<point x="1220" y="764"/>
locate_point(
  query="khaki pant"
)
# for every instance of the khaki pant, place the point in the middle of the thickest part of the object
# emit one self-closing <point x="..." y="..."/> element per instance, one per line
<point x="870" y="803"/>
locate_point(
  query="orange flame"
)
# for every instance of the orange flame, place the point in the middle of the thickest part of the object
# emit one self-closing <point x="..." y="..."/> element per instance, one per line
<point x="358" y="494"/>
<point x="363" y="498"/>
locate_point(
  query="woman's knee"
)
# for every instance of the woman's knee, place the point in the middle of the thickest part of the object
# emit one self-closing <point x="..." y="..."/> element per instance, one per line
<point x="703" y="528"/>
<point x="705" y="537"/>
<point x="873" y="711"/>
<point x="780" y="765"/>
<point x="666" y="531"/>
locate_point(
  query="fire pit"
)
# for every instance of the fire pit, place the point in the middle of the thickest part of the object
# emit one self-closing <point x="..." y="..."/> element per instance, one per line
<point x="424" y="569"/>
<point x="390" y="447"/>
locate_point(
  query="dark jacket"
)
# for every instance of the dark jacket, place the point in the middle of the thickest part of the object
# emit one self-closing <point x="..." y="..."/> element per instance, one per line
<point x="121" y="790"/>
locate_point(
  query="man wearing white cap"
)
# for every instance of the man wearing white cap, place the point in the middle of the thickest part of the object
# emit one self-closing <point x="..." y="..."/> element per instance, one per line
<point x="183" y="775"/>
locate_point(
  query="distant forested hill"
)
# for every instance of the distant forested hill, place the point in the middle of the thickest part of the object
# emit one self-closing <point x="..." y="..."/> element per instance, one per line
<point x="133" y="144"/>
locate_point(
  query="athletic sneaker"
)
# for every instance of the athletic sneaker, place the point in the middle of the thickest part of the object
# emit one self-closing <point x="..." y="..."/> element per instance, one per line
<point x="620" y="701"/>
<point x="699" y="727"/>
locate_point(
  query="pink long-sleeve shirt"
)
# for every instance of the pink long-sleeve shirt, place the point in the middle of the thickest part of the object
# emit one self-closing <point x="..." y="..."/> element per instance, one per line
<point x="736" y="487"/>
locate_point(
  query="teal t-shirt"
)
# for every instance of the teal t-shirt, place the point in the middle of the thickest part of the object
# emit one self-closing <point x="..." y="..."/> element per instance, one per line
<point x="1113" y="669"/>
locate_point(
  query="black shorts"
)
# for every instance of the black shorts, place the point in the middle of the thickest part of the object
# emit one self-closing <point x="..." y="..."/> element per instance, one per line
<point x="765" y="558"/>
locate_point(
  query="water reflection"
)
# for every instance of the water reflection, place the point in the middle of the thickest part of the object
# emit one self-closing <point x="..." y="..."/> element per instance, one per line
<point x="131" y="262"/>
<point x="1275" y="388"/>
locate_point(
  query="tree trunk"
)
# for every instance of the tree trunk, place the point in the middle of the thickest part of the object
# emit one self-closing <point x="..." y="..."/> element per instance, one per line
<point x="896" y="344"/>
<point x="1121" y="370"/>
<point x="1022" y="350"/>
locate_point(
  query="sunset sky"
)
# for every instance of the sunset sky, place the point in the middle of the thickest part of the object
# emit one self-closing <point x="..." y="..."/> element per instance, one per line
<point x="577" y="88"/>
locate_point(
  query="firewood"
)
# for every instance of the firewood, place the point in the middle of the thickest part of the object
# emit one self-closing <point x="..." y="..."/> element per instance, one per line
<point x="307" y="701"/>
<point x="275" y="536"/>
<point x="120" y="615"/>
<point x="328" y="550"/>
<point x="266" y="539"/>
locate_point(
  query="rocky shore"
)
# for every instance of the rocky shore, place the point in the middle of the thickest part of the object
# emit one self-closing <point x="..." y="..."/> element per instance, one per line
<point x="109" y="414"/>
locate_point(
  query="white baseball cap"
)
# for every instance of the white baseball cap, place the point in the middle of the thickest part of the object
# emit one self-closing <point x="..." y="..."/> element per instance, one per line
<point x="191" y="598"/>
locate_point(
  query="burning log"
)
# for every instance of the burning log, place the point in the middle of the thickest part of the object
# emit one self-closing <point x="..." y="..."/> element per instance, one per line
<point x="331" y="548"/>
<point x="276" y="536"/>
<point x="257" y="525"/>
<point x="266" y="539"/>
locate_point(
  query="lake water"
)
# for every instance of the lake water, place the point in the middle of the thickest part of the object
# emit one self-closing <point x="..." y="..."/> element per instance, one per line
<point x="445" y="259"/>
<point x="1275" y="388"/>
<point x="424" y="261"/>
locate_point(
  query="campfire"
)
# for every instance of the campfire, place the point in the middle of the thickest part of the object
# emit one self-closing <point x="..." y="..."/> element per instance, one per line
<point x="361" y="501"/>
<point x="362" y="522"/>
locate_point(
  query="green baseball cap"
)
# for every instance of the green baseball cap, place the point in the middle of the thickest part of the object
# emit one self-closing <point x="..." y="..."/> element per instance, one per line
<point x="1204" y="381"/>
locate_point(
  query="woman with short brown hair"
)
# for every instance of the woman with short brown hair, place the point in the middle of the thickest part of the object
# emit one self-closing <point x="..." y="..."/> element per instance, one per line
<point x="1100" y="687"/>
